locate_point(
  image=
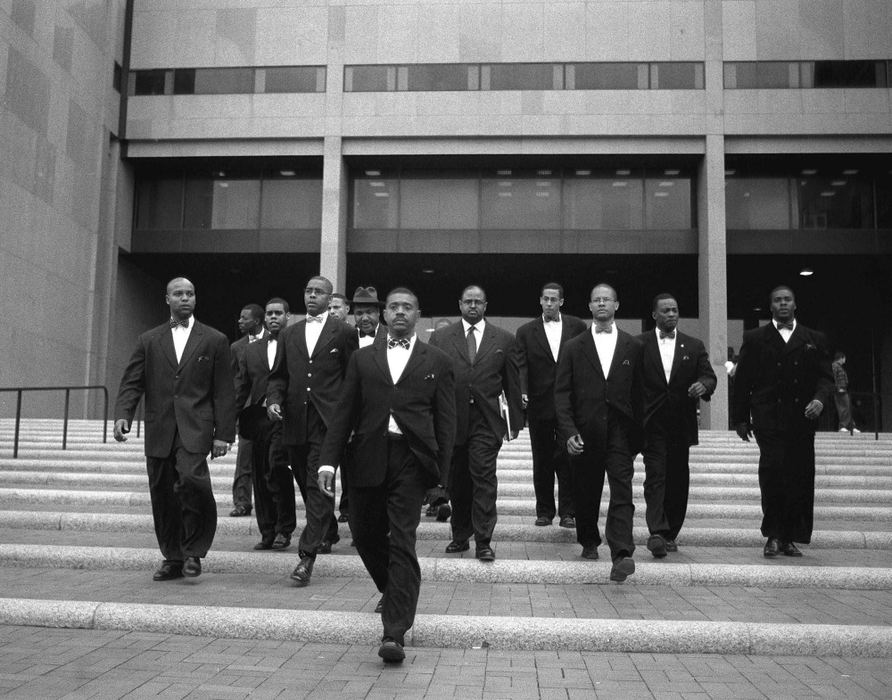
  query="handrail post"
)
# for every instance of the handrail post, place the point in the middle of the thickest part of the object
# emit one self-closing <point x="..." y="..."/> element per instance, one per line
<point x="105" y="416"/>
<point x="65" y="420"/>
<point x="18" y="421"/>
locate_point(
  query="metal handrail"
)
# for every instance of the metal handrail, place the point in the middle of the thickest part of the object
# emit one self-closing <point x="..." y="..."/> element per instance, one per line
<point x="19" y="390"/>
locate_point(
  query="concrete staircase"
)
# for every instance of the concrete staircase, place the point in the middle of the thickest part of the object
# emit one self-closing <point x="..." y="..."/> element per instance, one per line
<point x="77" y="550"/>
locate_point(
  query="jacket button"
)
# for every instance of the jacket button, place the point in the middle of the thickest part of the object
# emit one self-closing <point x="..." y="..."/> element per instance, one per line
<point x="309" y="374"/>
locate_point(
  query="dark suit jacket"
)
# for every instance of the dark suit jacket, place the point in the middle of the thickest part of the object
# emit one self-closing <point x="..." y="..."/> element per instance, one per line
<point x="250" y="387"/>
<point x="298" y="380"/>
<point x="422" y="403"/>
<point x="775" y="381"/>
<point x="537" y="365"/>
<point x="194" y="398"/>
<point x="583" y="397"/>
<point x="494" y="370"/>
<point x="690" y="364"/>
<point x="237" y="349"/>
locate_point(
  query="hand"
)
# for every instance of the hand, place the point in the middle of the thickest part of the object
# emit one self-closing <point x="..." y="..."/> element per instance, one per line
<point x="813" y="410"/>
<point x="325" y="480"/>
<point x="273" y="412"/>
<point x="514" y="434"/>
<point x="525" y="400"/>
<point x="744" y="430"/>
<point x="220" y="448"/>
<point x="696" y="390"/>
<point x="575" y="445"/>
<point x="122" y="427"/>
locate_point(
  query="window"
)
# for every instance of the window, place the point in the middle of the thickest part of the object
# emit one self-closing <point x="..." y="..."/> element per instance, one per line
<point x="762" y="75"/>
<point x="513" y="202"/>
<point x="521" y="76"/>
<point x="676" y="76"/>
<point x="805" y="74"/>
<point x="667" y="202"/>
<point x="376" y="203"/>
<point x="294" y="79"/>
<point x="213" y="81"/>
<point x="607" y="76"/>
<point x="754" y="203"/>
<point x="839" y="74"/>
<point x="148" y="82"/>
<point x="448" y="76"/>
<point x="159" y="204"/>
<point x="834" y="200"/>
<point x="604" y="202"/>
<point x="291" y="203"/>
<point x="369" y="78"/>
<point x="439" y="203"/>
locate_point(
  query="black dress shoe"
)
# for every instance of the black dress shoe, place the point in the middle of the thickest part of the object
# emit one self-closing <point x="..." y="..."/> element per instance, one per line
<point x="168" y="572"/>
<point x="457" y="546"/>
<point x="444" y="510"/>
<point x="622" y="568"/>
<point x="542" y="521"/>
<point x="343" y="518"/>
<point x="303" y="571"/>
<point x="192" y="567"/>
<point x="568" y="521"/>
<point x="391" y="651"/>
<point x="240" y="512"/>
<point x="485" y="553"/>
<point x="772" y="547"/>
<point x="264" y="544"/>
<point x="657" y="545"/>
<point x="671" y="546"/>
<point x="324" y="548"/>
<point x="790" y="550"/>
<point x="282" y="541"/>
<point x="380" y="606"/>
<point x="590" y="551"/>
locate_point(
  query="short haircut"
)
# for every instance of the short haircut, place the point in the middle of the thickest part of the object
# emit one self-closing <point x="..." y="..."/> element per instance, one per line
<point x="338" y="295"/>
<point x="473" y="286"/>
<point x="552" y="285"/>
<point x="604" y="284"/>
<point x="662" y="296"/>
<point x="778" y="288"/>
<point x="177" y="279"/>
<point x="327" y="283"/>
<point x="839" y="355"/>
<point x="403" y="290"/>
<point x="280" y="300"/>
<point x="255" y="309"/>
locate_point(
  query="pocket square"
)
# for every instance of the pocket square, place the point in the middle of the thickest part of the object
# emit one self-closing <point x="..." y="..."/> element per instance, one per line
<point x="685" y="358"/>
<point x="333" y="351"/>
<point x="429" y="377"/>
<point x="626" y="363"/>
<point x="204" y="358"/>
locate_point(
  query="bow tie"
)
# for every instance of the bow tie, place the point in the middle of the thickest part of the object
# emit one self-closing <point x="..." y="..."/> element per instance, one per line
<point x="667" y="334"/>
<point x="788" y="326"/>
<point x="370" y="334"/>
<point x="608" y="329"/>
<point x="315" y="319"/>
<point x="394" y="342"/>
<point x="174" y="322"/>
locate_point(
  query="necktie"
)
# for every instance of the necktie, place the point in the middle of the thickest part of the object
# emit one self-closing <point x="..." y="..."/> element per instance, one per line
<point x="472" y="345"/>
<point x="314" y="319"/>
<point x="607" y="329"/>
<point x="401" y="342"/>
<point x="667" y="334"/>
<point x="174" y="322"/>
<point x="788" y="326"/>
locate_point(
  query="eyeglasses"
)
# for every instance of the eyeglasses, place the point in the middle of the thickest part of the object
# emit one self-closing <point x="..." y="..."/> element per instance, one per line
<point x="316" y="290"/>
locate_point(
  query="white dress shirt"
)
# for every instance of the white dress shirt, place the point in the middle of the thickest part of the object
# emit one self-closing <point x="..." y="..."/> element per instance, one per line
<point x="271" y="346"/>
<point x="313" y="331"/>
<point x="605" y="344"/>
<point x="397" y="359"/>
<point x="785" y="333"/>
<point x="366" y="340"/>
<point x="478" y="330"/>
<point x="553" y="330"/>
<point x="667" y="351"/>
<point x="181" y="337"/>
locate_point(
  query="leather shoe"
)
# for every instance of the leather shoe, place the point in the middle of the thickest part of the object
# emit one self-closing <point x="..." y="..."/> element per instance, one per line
<point x="568" y="521"/>
<point x="671" y="546"/>
<point x="485" y="553"/>
<point x="325" y="547"/>
<point x="168" y="572"/>
<point x="303" y="571"/>
<point x="457" y="546"/>
<point x="343" y="518"/>
<point x="790" y="550"/>
<point x="772" y="547"/>
<point x="622" y="568"/>
<point x="282" y="541"/>
<point x="542" y="521"/>
<point x="444" y="510"/>
<point x="391" y="651"/>
<point x="240" y="512"/>
<point x="264" y="544"/>
<point x="590" y="551"/>
<point x="192" y="567"/>
<point x="657" y="545"/>
<point x="380" y="606"/>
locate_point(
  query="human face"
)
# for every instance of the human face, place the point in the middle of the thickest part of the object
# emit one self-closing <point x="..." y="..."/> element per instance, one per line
<point x="180" y="298"/>
<point x="317" y="296"/>
<point x="603" y="304"/>
<point x="276" y="317"/>
<point x="472" y="305"/>
<point x="783" y="305"/>
<point x="401" y="314"/>
<point x="551" y="304"/>
<point x="338" y="308"/>
<point x="366" y="317"/>
<point x="666" y="314"/>
<point x="247" y="323"/>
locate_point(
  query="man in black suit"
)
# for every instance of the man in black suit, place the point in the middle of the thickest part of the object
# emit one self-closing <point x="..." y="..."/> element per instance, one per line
<point x="675" y="374"/>
<point x="782" y="383"/>
<point x="485" y="367"/>
<point x="273" y="483"/>
<point x="399" y="401"/>
<point x="250" y="325"/>
<point x="539" y="344"/>
<point x="303" y="390"/>
<point x="183" y="369"/>
<point x="597" y="399"/>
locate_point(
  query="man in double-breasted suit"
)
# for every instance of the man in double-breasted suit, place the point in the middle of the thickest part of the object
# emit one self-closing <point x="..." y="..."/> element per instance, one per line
<point x="676" y="375"/>
<point x="539" y="344"/>
<point x="183" y="368"/>
<point x="782" y="383"/>
<point x="485" y="367"/>
<point x="399" y="401"/>
<point x="271" y="478"/>
<point x="598" y="404"/>
<point x="303" y="391"/>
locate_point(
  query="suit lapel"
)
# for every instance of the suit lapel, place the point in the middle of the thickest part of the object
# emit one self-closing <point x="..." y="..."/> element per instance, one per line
<point x="460" y="341"/>
<point x="415" y="359"/>
<point x="652" y="348"/>
<point x="619" y="351"/>
<point x="486" y="344"/>
<point x="591" y="353"/>
<point x="380" y="352"/>
<point x="542" y="338"/>
<point x="328" y="332"/>
<point x="191" y="343"/>
<point x="680" y="350"/>
<point x="797" y="339"/>
<point x="165" y="338"/>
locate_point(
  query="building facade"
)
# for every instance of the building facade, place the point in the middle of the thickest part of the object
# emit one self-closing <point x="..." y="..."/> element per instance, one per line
<point x="711" y="148"/>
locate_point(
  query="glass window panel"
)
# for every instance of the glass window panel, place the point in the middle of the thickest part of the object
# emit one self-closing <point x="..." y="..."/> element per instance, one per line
<point x="291" y="203"/>
<point x="452" y="76"/>
<point x="148" y="82"/>
<point x="160" y="204"/>
<point x="223" y="81"/>
<point x="236" y="204"/>
<point x="839" y="74"/>
<point x="439" y="204"/>
<point x="375" y="203"/>
<point x="884" y="200"/>
<point x="292" y="79"/>
<point x="607" y="76"/>
<point x="199" y="203"/>
<point x="754" y="203"/>
<point x="828" y="201"/>
<point x="604" y="203"/>
<point x="676" y="76"/>
<point x="522" y="76"/>
<point x="184" y="81"/>
<point x="667" y="203"/>
<point x="521" y="203"/>
<point x="369" y="79"/>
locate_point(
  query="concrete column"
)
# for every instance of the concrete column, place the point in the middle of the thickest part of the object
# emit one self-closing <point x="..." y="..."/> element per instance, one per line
<point x="333" y="246"/>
